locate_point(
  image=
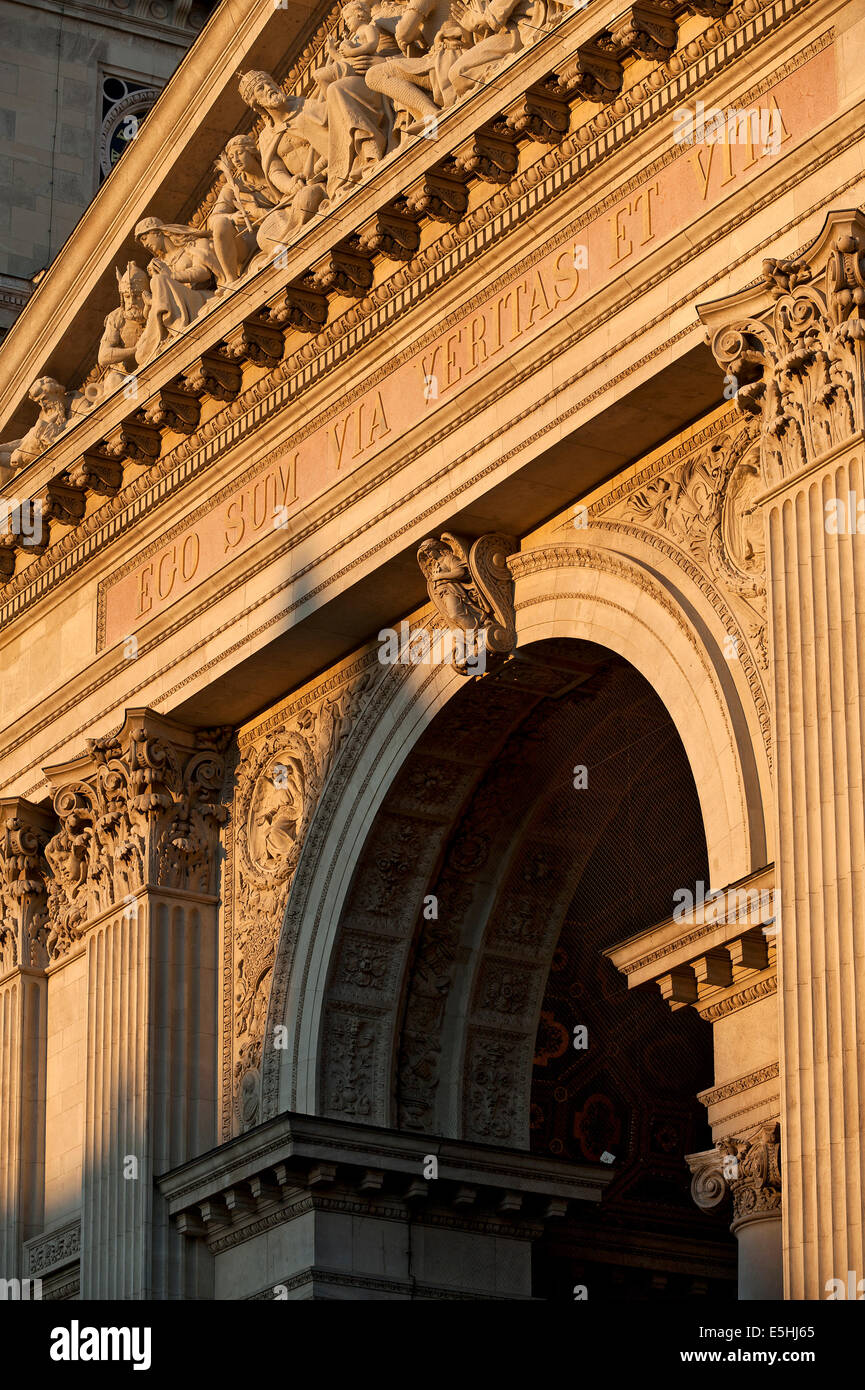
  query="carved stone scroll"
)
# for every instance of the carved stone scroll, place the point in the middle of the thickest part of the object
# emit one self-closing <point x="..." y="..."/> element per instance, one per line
<point x="471" y="586"/>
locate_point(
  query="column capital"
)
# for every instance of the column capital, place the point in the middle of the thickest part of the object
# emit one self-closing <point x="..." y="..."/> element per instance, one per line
<point x="793" y="348"/>
<point x="748" y="1169"/>
<point x="24" y="832"/>
<point x="140" y="809"/>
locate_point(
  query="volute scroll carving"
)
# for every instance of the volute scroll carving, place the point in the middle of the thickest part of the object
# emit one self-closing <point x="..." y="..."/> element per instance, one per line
<point x="472" y="588"/>
<point x="747" y="1169"/>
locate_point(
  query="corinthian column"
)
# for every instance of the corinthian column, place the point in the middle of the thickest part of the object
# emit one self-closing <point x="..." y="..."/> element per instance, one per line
<point x="24" y="829"/>
<point x="747" y="1171"/>
<point x="794" y="351"/>
<point x="135" y="876"/>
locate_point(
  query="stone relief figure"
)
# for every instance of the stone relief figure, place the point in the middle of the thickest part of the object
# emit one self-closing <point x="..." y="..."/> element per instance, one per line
<point x="451" y="587"/>
<point x="277" y="813"/>
<point x="182" y="275"/>
<point x="471" y="586"/>
<point x="243" y="202"/>
<point x="360" y="122"/>
<point x="123" y="328"/>
<point x="396" y="65"/>
<point x="52" y="400"/>
<point x="292" y="155"/>
<point x="407" y="80"/>
<point x="501" y="28"/>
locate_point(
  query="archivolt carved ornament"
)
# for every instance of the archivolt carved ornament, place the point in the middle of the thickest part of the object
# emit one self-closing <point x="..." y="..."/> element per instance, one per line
<point x="703" y="510"/>
<point x="279" y="780"/>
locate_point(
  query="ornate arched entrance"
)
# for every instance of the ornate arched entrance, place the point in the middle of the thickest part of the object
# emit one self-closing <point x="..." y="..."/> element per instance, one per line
<point x="547" y="812"/>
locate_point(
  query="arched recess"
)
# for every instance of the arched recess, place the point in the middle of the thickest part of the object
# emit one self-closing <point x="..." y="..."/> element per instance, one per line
<point x="673" y="639"/>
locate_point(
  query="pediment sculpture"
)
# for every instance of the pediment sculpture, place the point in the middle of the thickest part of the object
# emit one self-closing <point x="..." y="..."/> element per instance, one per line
<point x="394" y="67"/>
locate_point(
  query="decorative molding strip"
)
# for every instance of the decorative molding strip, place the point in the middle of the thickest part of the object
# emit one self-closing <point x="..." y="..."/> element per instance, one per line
<point x="742" y="1083"/>
<point x="761" y="989"/>
<point x="54" y="1249"/>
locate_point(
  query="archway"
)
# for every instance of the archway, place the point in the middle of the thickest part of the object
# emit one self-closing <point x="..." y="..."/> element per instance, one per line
<point x="470" y="957"/>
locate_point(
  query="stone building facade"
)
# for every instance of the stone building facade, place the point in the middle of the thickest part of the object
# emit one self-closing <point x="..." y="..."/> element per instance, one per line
<point x="76" y="80"/>
<point x="432" y="642"/>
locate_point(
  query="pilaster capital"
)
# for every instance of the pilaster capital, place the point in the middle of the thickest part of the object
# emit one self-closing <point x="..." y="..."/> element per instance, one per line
<point x="139" y="809"/>
<point x="793" y="348"/>
<point x="24" y="832"/>
<point x="748" y="1169"/>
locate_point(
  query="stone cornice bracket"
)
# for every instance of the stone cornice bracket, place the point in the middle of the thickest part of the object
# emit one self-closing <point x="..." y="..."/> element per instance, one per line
<point x="541" y="113"/>
<point x="171" y="408"/>
<point x="793" y="349"/>
<point x="212" y="374"/>
<point x="646" y="29"/>
<point x="472" y="588"/>
<point x="24" y="832"/>
<point x="342" y="271"/>
<point x="438" y="195"/>
<point x="749" y="1169"/>
<point x="141" y="809"/>
<point x="296" y="307"/>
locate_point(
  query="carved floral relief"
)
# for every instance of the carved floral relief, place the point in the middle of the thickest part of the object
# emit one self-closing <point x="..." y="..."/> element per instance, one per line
<point x="279" y="781"/>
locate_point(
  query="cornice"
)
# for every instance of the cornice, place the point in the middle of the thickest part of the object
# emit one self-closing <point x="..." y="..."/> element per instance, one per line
<point x="178" y="33"/>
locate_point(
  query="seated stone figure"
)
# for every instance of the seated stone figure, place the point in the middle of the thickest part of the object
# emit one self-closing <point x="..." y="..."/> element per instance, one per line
<point x="52" y="400"/>
<point x="292" y="157"/>
<point x="503" y="27"/>
<point x="244" y="201"/>
<point x="123" y="328"/>
<point x="360" y="121"/>
<point x="183" y="272"/>
<point x="407" y="80"/>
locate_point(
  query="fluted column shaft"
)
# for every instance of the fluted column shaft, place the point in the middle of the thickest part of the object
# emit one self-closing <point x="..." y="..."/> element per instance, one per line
<point x="135" y="882"/>
<point x="150" y="1091"/>
<point x="793" y="349"/>
<point x="817" y="623"/>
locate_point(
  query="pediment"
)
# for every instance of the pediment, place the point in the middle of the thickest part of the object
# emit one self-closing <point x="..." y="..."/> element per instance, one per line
<point x="348" y="186"/>
<point x="167" y="172"/>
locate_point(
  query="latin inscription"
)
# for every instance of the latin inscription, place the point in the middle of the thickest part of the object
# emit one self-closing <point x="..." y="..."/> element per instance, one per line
<point x="402" y="400"/>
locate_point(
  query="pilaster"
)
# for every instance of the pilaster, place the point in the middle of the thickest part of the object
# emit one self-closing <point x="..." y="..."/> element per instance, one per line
<point x="794" y="352"/>
<point x="134" y="869"/>
<point x="24" y="830"/>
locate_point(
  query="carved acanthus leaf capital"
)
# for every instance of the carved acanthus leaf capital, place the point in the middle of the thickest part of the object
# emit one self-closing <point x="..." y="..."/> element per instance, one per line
<point x="141" y="809"/>
<point x="24" y="831"/>
<point x="793" y="349"/>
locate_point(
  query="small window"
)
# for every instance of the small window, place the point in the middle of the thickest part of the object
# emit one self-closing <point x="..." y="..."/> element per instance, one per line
<point x="125" y="104"/>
